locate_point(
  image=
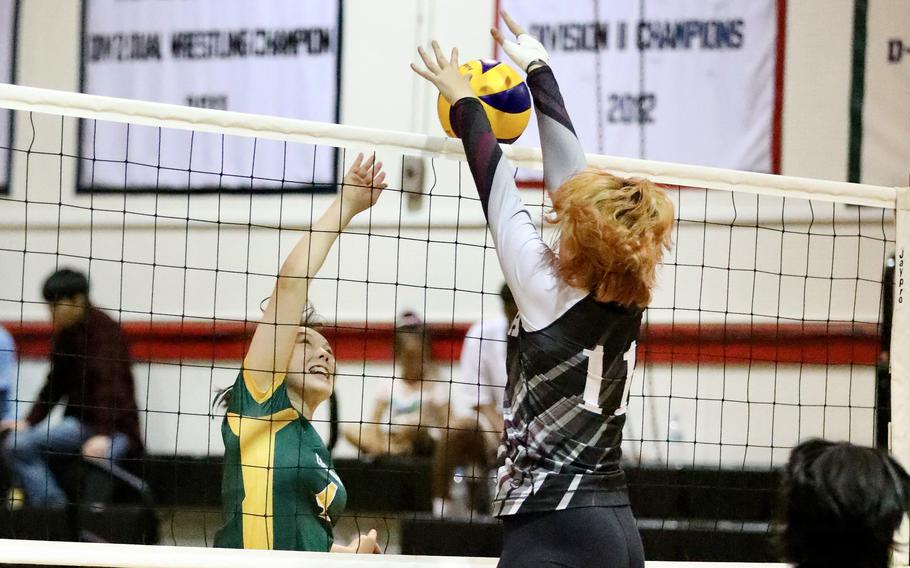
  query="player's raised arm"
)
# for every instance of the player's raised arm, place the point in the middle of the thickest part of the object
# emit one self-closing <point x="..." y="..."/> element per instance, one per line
<point x="521" y="251"/>
<point x="276" y="334"/>
<point x="580" y="308"/>
<point x="563" y="155"/>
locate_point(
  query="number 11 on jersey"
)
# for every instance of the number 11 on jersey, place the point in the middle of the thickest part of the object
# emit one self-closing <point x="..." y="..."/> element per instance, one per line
<point x="591" y="395"/>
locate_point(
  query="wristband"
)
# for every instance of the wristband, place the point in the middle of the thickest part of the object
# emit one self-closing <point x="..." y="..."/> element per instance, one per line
<point x="541" y="61"/>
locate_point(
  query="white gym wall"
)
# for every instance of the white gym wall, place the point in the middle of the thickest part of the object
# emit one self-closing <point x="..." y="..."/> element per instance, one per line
<point x="380" y="91"/>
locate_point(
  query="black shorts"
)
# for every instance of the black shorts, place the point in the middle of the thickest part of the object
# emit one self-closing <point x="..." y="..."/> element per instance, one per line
<point x="583" y="537"/>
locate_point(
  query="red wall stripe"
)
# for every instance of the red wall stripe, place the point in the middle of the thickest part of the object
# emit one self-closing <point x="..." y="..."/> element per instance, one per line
<point x="497" y="6"/>
<point x="779" y="68"/>
<point x="734" y="344"/>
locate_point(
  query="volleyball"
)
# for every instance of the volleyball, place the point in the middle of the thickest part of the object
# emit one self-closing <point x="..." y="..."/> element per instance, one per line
<point x="504" y="96"/>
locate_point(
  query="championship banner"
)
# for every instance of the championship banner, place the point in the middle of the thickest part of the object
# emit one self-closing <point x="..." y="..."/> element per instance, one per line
<point x="7" y="69"/>
<point x="272" y="57"/>
<point x="880" y="140"/>
<point x="673" y="80"/>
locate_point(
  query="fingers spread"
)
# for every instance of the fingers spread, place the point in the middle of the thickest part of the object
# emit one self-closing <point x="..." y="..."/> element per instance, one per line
<point x="431" y="65"/>
<point x="423" y="73"/>
<point x="440" y="57"/>
<point x="513" y="26"/>
<point x="454" y="59"/>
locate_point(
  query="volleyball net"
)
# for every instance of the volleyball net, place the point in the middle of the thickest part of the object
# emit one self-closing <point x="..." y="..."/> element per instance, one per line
<point x="765" y="327"/>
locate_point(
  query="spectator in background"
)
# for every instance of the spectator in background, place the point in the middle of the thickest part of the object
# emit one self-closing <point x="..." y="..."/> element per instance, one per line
<point x="8" y="381"/>
<point x="478" y="394"/>
<point x="9" y="375"/>
<point x="90" y="368"/>
<point x="842" y="505"/>
<point x="406" y="415"/>
<point x="476" y="426"/>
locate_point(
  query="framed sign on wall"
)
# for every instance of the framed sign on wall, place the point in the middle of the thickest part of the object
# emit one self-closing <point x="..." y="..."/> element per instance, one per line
<point x="672" y="80"/>
<point x="271" y="57"/>
<point x="9" y="10"/>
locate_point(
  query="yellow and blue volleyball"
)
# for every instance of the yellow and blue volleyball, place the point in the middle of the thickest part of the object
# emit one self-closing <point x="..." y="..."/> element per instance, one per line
<point x="504" y="96"/>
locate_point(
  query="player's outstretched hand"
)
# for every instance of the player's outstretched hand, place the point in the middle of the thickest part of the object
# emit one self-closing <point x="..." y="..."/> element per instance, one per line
<point x="525" y="50"/>
<point x="366" y="543"/>
<point x="444" y="73"/>
<point x="362" y="184"/>
<point x="362" y="544"/>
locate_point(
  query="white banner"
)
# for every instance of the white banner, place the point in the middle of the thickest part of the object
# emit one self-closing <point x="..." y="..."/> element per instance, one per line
<point x="274" y="57"/>
<point x="7" y="53"/>
<point x="674" y="80"/>
<point x="885" y="144"/>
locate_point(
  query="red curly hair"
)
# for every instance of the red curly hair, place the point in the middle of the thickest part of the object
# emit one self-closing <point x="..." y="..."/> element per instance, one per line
<point x="612" y="234"/>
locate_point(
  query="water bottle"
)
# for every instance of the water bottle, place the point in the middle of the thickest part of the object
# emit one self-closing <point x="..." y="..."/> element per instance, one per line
<point x="459" y="494"/>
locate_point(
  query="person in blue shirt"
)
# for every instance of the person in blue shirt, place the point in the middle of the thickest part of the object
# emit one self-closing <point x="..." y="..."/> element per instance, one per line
<point x="9" y="374"/>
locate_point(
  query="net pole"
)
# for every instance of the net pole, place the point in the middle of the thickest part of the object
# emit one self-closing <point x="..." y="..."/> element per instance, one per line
<point x="900" y="356"/>
<point x="883" y="366"/>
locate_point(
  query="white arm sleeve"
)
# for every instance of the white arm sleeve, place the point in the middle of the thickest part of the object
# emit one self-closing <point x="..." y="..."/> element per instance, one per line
<point x="540" y="295"/>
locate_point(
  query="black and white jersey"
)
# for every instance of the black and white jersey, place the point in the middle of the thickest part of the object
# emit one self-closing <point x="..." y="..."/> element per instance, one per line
<point x="570" y="357"/>
<point x="564" y="410"/>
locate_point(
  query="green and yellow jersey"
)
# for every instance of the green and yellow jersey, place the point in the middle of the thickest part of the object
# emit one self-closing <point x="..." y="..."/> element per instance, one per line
<point x="279" y="489"/>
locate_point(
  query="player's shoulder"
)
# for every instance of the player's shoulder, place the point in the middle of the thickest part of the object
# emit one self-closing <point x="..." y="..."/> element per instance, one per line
<point x="256" y="398"/>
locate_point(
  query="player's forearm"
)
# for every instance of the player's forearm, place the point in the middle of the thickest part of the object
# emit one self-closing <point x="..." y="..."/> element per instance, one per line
<point x="563" y="155"/>
<point x="307" y="257"/>
<point x="545" y="92"/>
<point x="471" y="124"/>
<point x="518" y="244"/>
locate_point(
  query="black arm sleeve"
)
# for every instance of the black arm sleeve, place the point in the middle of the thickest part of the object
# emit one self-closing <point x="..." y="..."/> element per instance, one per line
<point x="563" y="155"/>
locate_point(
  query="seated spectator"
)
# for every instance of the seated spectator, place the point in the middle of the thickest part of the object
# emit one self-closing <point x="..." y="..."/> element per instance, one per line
<point x="407" y="414"/>
<point x="9" y="376"/>
<point x="474" y="432"/>
<point x="90" y="368"/>
<point x="842" y="505"/>
<point x="8" y="382"/>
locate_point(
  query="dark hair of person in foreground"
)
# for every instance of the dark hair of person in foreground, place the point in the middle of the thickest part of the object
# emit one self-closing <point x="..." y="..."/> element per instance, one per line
<point x="64" y="283"/>
<point x="841" y="505"/>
